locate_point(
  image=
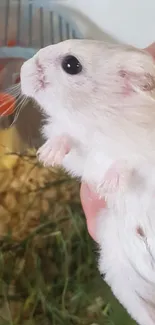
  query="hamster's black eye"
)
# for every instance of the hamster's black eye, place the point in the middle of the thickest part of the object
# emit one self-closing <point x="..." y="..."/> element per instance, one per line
<point x="71" y="65"/>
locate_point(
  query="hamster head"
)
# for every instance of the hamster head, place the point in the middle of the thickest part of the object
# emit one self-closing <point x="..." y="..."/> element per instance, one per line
<point x="110" y="87"/>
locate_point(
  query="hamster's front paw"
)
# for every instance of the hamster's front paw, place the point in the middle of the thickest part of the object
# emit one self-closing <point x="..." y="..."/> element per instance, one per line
<point x="53" y="151"/>
<point x="115" y="179"/>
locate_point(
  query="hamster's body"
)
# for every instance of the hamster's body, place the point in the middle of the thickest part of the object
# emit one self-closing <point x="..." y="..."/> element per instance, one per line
<point x="101" y="127"/>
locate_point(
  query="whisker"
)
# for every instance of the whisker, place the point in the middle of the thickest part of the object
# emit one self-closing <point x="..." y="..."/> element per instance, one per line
<point x="13" y="92"/>
<point x="15" y="89"/>
<point x="22" y="99"/>
<point x="6" y="95"/>
<point x="18" y="98"/>
<point x="6" y="102"/>
<point x="19" y="101"/>
<point x="20" y="107"/>
<point x="4" y="113"/>
<point x="13" y="86"/>
<point x="16" y="86"/>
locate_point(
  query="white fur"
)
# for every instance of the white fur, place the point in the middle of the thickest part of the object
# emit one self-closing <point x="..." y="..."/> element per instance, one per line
<point x="104" y="125"/>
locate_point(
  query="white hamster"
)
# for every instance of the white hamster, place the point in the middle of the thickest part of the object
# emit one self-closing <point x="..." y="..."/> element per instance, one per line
<point x="99" y="102"/>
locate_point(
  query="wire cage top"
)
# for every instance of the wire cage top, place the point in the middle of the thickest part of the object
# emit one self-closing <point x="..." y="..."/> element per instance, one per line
<point x="28" y="25"/>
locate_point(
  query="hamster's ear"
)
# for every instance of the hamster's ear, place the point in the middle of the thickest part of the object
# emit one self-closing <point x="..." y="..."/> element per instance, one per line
<point x="134" y="82"/>
<point x="151" y="50"/>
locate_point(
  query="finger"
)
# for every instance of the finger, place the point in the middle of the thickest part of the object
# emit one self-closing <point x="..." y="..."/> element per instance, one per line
<point x="91" y="206"/>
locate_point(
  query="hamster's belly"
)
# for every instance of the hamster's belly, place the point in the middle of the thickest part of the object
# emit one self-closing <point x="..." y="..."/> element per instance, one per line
<point x="90" y="166"/>
<point x="96" y="166"/>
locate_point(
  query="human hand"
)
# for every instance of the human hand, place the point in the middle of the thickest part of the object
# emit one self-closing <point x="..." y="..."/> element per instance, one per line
<point x="90" y="202"/>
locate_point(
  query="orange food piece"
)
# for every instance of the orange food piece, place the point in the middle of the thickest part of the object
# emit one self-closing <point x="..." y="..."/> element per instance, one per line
<point x="7" y="104"/>
<point x="11" y="43"/>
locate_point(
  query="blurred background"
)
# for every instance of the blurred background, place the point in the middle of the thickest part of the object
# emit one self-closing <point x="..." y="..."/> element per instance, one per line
<point x="48" y="262"/>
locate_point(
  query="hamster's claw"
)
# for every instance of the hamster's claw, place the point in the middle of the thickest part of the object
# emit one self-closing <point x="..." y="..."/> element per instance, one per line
<point x="53" y="152"/>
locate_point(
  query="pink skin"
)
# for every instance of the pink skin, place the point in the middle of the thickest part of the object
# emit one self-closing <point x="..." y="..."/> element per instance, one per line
<point x="90" y="202"/>
<point x="91" y="206"/>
